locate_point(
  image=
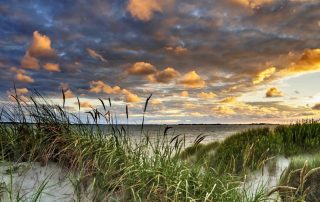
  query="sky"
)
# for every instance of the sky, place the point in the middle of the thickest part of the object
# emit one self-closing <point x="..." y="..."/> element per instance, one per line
<point x="204" y="61"/>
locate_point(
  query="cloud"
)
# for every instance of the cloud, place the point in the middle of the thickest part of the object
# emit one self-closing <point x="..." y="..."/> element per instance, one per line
<point x="254" y="3"/>
<point x="142" y="68"/>
<point x="274" y="92"/>
<point x="24" y="78"/>
<point x="184" y="94"/>
<point x="100" y="86"/>
<point x="308" y="61"/>
<point x="84" y="104"/>
<point x="208" y="95"/>
<point x="41" y="46"/>
<point x="67" y="91"/>
<point x="165" y="76"/>
<point x="263" y="75"/>
<point x="51" y="67"/>
<point x="96" y="55"/>
<point x="156" y="102"/>
<point x="223" y="111"/>
<point x="192" y="80"/>
<point x="179" y="50"/>
<point x="316" y="106"/>
<point x="30" y="62"/>
<point x="130" y="97"/>
<point x="145" y="9"/>
<point x="20" y="92"/>
<point x="229" y="100"/>
<point x="21" y="75"/>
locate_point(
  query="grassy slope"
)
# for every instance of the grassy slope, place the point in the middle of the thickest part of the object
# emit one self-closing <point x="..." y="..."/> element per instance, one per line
<point x="106" y="160"/>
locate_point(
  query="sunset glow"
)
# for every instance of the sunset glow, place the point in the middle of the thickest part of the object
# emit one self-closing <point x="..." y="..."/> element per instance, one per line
<point x="219" y="61"/>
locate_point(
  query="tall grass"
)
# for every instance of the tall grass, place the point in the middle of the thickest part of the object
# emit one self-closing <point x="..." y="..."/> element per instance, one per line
<point x="104" y="160"/>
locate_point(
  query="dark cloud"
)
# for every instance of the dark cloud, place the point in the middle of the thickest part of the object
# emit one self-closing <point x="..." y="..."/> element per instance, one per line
<point x="229" y="44"/>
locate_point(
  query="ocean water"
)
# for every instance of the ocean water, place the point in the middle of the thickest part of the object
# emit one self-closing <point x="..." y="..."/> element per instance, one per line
<point x="211" y="132"/>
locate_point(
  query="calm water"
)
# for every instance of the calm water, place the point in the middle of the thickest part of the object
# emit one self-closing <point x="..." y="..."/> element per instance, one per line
<point x="212" y="132"/>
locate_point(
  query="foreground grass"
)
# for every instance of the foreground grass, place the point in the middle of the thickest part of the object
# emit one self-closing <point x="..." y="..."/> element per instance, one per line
<point x="105" y="163"/>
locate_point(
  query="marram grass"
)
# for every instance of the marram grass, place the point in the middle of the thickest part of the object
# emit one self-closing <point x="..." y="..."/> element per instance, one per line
<point x="103" y="158"/>
<point x="106" y="162"/>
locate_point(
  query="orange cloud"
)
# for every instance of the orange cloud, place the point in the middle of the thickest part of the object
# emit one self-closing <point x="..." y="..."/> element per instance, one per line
<point x="41" y="46"/>
<point x="131" y="97"/>
<point x="142" y="68"/>
<point x="179" y="50"/>
<point x="274" y="92"/>
<point x="20" y="92"/>
<point x="308" y="62"/>
<point x="192" y="80"/>
<point x="164" y="76"/>
<point x="229" y="100"/>
<point x="263" y="75"/>
<point x="253" y="3"/>
<point x="204" y="95"/>
<point x="100" y="86"/>
<point x="144" y="9"/>
<point x="85" y="104"/>
<point x="51" y="67"/>
<point x="184" y="94"/>
<point x="21" y="75"/>
<point x="67" y="91"/>
<point x="223" y="111"/>
<point x="96" y="55"/>
<point x="156" y="102"/>
<point x="30" y="62"/>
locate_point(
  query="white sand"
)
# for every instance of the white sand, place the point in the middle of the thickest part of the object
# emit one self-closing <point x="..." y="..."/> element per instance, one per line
<point x="27" y="179"/>
<point x="264" y="178"/>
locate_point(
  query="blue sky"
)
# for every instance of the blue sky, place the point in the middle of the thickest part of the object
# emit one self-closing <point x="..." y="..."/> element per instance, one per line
<point x="206" y="61"/>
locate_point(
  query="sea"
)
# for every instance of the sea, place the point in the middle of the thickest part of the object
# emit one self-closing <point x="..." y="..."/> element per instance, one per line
<point x="210" y="132"/>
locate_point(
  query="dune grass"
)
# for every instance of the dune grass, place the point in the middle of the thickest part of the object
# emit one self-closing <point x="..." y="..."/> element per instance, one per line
<point x="250" y="150"/>
<point x="104" y="161"/>
<point x="106" y="164"/>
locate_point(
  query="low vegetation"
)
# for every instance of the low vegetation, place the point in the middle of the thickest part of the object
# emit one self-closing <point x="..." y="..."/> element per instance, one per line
<point x="109" y="166"/>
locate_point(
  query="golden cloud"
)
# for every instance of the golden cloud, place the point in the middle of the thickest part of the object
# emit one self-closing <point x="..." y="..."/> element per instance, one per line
<point x="21" y="75"/>
<point x="96" y="55"/>
<point x="100" y="86"/>
<point x="142" y="68"/>
<point x="67" y="91"/>
<point x="184" y="94"/>
<point x="308" y="62"/>
<point x="229" y="100"/>
<point x="208" y="95"/>
<point x="274" y="92"/>
<point x="144" y="9"/>
<point x="156" y="102"/>
<point x="263" y="75"/>
<point x="41" y="46"/>
<point x="192" y="80"/>
<point x="253" y="3"/>
<point x="30" y="62"/>
<point x="223" y="111"/>
<point x="179" y="50"/>
<point x="51" y="67"/>
<point x="165" y="76"/>
<point x="131" y="97"/>
<point x="20" y="92"/>
<point x="85" y="104"/>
